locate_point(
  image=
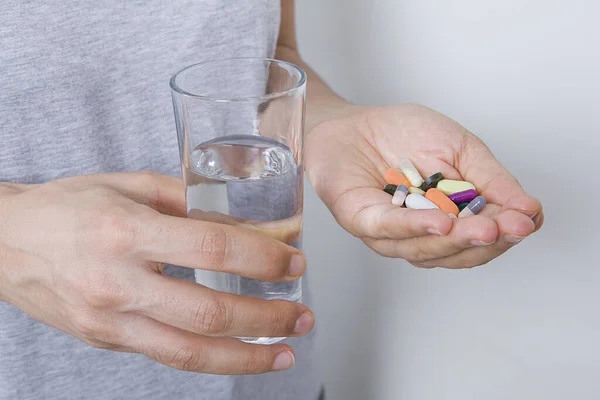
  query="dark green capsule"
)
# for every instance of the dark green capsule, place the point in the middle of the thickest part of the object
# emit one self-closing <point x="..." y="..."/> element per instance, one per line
<point x="391" y="189"/>
<point x="461" y="206"/>
<point x="432" y="181"/>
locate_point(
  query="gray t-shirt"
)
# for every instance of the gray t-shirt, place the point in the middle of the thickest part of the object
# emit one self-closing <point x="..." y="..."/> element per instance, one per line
<point x="85" y="90"/>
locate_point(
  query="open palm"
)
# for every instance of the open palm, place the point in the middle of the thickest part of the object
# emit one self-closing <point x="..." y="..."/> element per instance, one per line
<point x="346" y="159"/>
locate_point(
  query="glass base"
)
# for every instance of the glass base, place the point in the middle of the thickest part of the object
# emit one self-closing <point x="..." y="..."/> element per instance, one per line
<point x="261" y="340"/>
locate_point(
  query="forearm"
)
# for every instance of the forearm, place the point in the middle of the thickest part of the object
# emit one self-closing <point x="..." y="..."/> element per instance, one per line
<point x="8" y="255"/>
<point x="7" y="189"/>
<point x="322" y="103"/>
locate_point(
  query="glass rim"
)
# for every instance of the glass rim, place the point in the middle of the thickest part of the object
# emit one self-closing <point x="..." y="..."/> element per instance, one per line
<point x="269" y="96"/>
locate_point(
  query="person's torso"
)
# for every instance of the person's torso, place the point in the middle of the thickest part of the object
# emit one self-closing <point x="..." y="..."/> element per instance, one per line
<point x="84" y="89"/>
<point x="86" y="84"/>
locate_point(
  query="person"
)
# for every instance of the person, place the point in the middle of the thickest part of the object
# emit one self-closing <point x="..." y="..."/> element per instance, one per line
<point x="91" y="206"/>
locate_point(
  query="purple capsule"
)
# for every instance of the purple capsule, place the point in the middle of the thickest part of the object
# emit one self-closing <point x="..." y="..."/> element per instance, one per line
<point x="463" y="197"/>
<point x="473" y="208"/>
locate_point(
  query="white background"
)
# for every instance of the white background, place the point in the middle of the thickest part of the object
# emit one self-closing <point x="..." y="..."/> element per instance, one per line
<point x="525" y="76"/>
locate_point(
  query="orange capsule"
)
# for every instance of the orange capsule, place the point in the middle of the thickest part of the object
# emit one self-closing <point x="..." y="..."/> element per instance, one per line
<point x="442" y="201"/>
<point x="394" y="177"/>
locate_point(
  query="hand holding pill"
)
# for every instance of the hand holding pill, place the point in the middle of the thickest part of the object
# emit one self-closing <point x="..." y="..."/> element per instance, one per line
<point x="445" y="172"/>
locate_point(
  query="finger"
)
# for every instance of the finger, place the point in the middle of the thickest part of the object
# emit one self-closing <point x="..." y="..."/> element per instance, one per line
<point x="479" y="166"/>
<point x="211" y="246"/>
<point x="525" y="204"/>
<point x="538" y="220"/>
<point x="196" y="308"/>
<point x="285" y="230"/>
<point x="187" y="351"/>
<point x="163" y="193"/>
<point x="466" y="233"/>
<point x="375" y="217"/>
<point x="513" y="226"/>
<point x="511" y="222"/>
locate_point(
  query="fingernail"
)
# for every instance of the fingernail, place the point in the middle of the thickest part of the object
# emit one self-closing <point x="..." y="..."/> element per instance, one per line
<point x="283" y="361"/>
<point x="305" y="323"/>
<point x="297" y="265"/>
<point x="536" y="219"/>
<point x="530" y="214"/>
<point x="481" y="243"/>
<point x="434" y="231"/>
<point x="513" y="239"/>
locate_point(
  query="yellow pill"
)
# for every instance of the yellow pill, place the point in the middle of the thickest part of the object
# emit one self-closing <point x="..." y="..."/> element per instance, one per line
<point x="449" y="186"/>
<point x="416" y="190"/>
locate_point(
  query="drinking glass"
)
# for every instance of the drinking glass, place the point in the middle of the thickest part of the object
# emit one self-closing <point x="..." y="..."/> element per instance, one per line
<point x="240" y="128"/>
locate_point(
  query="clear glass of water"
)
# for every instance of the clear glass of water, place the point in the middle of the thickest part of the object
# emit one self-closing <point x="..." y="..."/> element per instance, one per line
<point x="240" y="128"/>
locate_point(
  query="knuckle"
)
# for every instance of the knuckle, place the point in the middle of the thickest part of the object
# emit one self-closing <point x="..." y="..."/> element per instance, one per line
<point x="101" y="292"/>
<point x="85" y="325"/>
<point x="378" y="249"/>
<point x="276" y="262"/>
<point x="418" y="255"/>
<point x="147" y="178"/>
<point x="251" y="363"/>
<point x="99" y="298"/>
<point x="383" y="226"/>
<point x="256" y="361"/>
<point x="213" y="246"/>
<point x="185" y="359"/>
<point x="110" y="227"/>
<point x="151" y="181"/>
<point x="118" y="232"/>
<point x="282" y="320"/>
<point x="212" y="317"/>
<point x="96" y="331"/>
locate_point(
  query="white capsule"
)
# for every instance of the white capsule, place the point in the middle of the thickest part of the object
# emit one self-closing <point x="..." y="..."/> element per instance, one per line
<point x="418" y="202"/>
<point x="399" y="195"/>
<point x="411" y="173"/>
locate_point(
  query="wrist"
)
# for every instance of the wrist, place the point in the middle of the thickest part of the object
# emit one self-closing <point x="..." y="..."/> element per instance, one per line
<point x="5" y="256"/>
<point x="320" y="112"/>
<point x="8" y="255"/>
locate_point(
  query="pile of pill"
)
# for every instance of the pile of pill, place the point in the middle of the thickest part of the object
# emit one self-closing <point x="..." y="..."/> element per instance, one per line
<point x="455" y="198"/>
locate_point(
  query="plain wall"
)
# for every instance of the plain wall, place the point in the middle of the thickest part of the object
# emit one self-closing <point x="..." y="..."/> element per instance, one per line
<point x="525" y="76"/>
